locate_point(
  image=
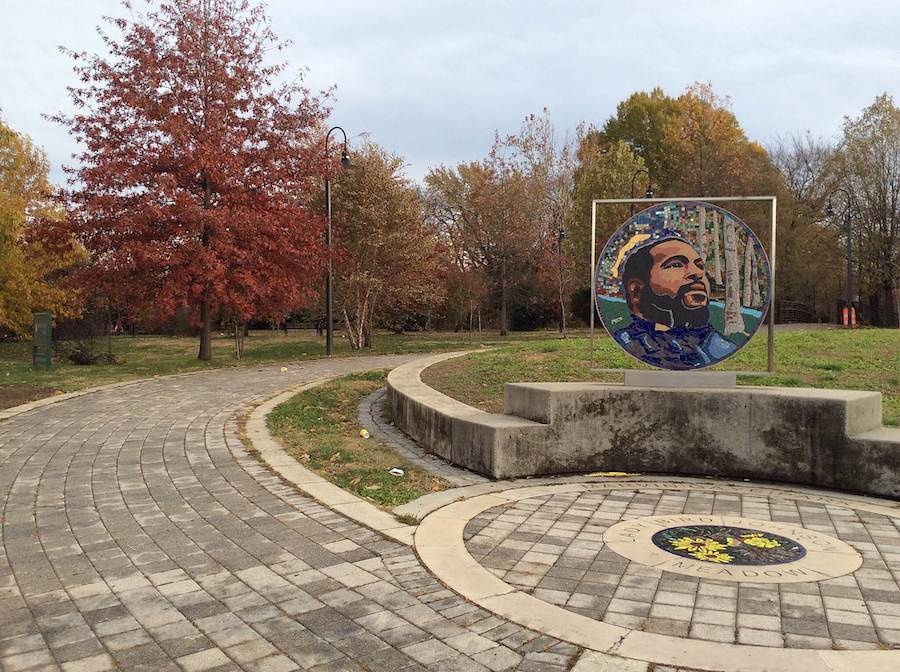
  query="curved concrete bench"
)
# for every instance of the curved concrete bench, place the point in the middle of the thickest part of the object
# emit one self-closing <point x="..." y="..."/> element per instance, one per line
<point x="458" y="433"/>
<point x="821" y="437"/>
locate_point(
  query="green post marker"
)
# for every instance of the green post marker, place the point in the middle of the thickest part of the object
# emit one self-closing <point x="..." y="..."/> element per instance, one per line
<point x="42" y="341"/>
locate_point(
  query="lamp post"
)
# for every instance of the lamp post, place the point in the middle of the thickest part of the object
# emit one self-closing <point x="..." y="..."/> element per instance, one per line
<point x="649" y="193"/>
<point x="329" y="282"/>
<point x="829" y="211"/>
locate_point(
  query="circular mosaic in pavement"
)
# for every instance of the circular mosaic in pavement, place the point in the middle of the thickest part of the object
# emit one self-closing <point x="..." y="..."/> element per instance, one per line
<point x="724" y="544"/>
<point x="732" y="549"/>
<point x="832" y="581"/>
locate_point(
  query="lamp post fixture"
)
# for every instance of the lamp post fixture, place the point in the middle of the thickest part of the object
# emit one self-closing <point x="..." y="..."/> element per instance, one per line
<point x="829" y="211"/>
<point x="649" y="193"/>
<point x="329" y="282"/>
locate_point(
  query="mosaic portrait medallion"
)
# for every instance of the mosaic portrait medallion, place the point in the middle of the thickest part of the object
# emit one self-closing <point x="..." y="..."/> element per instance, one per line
<point x="732" y="549"/>
<point x="682" y="285"/>
<point x="728" y="545"/>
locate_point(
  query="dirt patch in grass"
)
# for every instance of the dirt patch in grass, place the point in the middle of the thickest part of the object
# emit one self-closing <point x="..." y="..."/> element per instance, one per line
<point x="14" y="395"/>
<point x="319" y="428"/>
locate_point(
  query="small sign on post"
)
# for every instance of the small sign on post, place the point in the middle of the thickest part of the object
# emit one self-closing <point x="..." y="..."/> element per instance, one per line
<point x="42" y="341"/>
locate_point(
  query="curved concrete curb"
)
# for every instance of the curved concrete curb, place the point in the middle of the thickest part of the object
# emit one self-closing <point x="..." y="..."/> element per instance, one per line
<point x="440" y="544"/>
<point x="459" y="433"/>
<point x="338" y="499"/>
<point x="433" y="501"/>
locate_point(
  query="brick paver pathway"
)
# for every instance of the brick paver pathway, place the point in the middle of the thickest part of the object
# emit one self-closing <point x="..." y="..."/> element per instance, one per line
<point x="138" y="534"/>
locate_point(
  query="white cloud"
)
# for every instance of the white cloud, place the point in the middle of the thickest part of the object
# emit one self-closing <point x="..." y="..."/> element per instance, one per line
<point x="433" y="80"/>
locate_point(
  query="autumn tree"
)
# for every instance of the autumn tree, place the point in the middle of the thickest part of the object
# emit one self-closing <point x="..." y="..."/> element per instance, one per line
<point x="30" y="270"/>
<point x="647" y="123"/>
<point x="809" y="243"/>
<point x="197" y="170"/>
<point x="485" y="213"/>
<point x="712" y="155"/>
<point x="603" y="171"/>
<point x="547" y="163"/>
<point x="390" y="265"/>
<point x="692" y="145"/>
<point x="867" y="165"/>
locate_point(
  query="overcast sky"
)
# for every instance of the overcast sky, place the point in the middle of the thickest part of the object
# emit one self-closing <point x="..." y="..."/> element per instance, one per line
<point x="432" y="79"/>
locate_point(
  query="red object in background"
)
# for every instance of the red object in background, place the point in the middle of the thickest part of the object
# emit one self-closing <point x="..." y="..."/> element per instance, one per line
<point x="848" y="318"/>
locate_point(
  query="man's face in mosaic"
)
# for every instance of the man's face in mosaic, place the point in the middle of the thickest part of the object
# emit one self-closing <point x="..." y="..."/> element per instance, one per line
<point x="669" y="286"/>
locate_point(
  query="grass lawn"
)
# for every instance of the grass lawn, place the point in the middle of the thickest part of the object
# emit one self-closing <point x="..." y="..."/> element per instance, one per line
<point x="319" y="428"/>
<point x="147" y="356"/>
<point x="866" y="359"/>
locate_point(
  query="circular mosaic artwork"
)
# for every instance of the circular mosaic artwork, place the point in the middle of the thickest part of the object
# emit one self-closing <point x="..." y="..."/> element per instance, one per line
<point x="732" y="549"/>
<point x="609" y="552"/>
<point x="682" y="285"/>
<point x="728" y="545"/>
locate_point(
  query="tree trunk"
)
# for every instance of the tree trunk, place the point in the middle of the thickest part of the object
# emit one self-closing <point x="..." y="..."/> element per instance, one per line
<point x="370" y="331"/>
<point x="562" y="301"/>
<point x="109" y="330"/>
<point x="748" y="274"/>
<point x="717" y="254"/>
<point x="350" y="332"/>
<point x="756" y="302"/>
<point x="701" y="233"/>
<point x="734" y="323"/>
<point x="205" y="337"/>
<point x="897" y="306"/>
<point x="240" y="332"/>
<point x="362" y="313"/>
<point x="504" y="307"/>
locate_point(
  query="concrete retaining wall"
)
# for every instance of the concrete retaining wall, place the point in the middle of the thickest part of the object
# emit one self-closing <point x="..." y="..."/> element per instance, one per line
<point x="829" y="438"/>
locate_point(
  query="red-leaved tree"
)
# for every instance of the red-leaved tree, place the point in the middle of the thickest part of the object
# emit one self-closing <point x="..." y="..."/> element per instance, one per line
<point x="195" y="185"/>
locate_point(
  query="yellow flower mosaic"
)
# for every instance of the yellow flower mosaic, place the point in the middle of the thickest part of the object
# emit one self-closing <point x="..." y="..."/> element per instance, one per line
<point x="702" y="549"/>
<point x="759" y="540"/>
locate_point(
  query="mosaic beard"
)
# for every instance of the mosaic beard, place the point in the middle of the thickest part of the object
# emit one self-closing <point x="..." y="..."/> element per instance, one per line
<point x="673" y="312"/>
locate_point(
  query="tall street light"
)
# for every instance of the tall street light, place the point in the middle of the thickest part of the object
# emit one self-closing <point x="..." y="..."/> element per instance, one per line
<point x="649" y="193"/>
<point x="829" y="211"/>
<point x="329" y="282"/>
